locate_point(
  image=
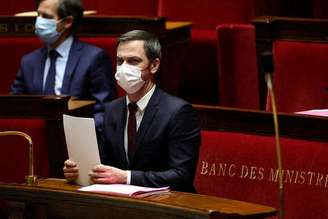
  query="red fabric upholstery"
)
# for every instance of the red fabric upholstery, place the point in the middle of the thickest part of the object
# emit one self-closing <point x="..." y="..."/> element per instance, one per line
<point x="200" y="74"/>
<point x="13" y="49"/>
<point x="207" y="14"/>
<point x="14" y="149"/>
<point x="127" y="7"/>
<point x="301" y="76"/>
<point x="242" y="166"/>
<point x="238" y="76"/>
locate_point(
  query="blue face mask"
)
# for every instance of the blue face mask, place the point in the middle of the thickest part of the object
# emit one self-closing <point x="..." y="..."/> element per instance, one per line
<point x="46" y="29"/>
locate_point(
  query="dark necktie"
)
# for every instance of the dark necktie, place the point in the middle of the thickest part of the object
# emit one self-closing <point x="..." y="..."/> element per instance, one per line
<point x="132" y="130"/>
<point x="49" y="88"/>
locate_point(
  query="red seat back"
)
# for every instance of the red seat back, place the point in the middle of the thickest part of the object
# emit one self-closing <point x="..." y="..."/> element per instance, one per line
<point x="243" y="167"/>
<point x="15" y="48"/>
<point x="301" y="76"/>
<point x="238" y="76"/>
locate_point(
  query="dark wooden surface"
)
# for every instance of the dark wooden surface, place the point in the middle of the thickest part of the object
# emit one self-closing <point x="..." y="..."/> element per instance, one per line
<point x="261" y="122"/>
<point x="90" y="25"/>
<point x="54" y="198"/>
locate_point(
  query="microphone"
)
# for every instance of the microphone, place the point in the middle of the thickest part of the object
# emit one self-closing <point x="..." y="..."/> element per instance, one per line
<point x="30" y="179"/>
<point x="268" y="69"/>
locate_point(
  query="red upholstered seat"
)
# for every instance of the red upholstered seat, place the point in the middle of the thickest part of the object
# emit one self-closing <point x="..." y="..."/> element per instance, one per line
<point x="14" y="149"/>
<point x="127" y="7"/>
<point x="15" y="48"/>
<point x="238" y="76"/>
<point x="243" y="167"/>
<point x="200" y="77"/>
<point x="301" y="76"/>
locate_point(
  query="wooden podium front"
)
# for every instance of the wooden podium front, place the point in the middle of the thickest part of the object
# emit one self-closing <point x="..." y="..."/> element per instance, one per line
<point x="54" y="198"/>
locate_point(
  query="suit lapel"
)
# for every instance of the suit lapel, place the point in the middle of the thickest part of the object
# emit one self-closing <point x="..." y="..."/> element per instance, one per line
<point x="73" y="58"/>
<point x="39" y="72"/>
<point x="148" y="118"/>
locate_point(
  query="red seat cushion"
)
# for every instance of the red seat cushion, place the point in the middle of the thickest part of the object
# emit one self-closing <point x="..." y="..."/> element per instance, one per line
<point x="243" y="167"/>
<point x="301" y="76"/>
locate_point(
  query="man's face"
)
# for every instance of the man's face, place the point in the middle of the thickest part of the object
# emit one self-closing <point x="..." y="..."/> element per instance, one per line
<point x="133" y="53"/>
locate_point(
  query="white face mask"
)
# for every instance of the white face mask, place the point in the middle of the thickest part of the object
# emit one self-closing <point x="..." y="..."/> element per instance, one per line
<point x="129" y="78"/>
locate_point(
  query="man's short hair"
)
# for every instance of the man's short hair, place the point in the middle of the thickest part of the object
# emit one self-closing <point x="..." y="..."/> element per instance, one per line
<point x="152" y="46"/>
<point x="67" y="8"/>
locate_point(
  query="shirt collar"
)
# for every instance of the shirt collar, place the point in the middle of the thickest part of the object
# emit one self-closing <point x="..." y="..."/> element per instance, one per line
<point x="64" y="48"/>
<point x="143" y="102"/>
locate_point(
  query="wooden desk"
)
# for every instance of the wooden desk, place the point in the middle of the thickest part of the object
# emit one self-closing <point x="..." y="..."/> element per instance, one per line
<point x="54" y="198"/>
<point x="261" y="122"/>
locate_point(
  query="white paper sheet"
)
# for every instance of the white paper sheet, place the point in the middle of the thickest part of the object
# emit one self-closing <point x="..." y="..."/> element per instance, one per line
<point x="82" y="147"/>
<point x="315" y="112"/>
<point x="124" y="190"/>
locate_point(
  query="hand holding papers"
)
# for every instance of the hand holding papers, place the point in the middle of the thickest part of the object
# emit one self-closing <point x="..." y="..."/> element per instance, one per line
<point x="124" y="190"/>
<point x="82" y="145"/>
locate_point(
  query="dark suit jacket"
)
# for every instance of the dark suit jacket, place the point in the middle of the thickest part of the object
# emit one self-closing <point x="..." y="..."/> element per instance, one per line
<point x="88" y="75"/>
<point x="168" y="142"/>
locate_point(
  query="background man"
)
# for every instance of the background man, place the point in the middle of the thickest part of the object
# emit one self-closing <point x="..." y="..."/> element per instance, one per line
<point x="65" y="66"/>
<point x="150" y="137"/>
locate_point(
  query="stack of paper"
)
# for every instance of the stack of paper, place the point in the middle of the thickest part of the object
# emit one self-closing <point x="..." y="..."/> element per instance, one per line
<point x="124" y="190"/>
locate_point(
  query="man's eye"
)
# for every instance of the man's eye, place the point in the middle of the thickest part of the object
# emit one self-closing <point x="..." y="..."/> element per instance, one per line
<point x="119" y="61"/>
<point x="133" y="61"/>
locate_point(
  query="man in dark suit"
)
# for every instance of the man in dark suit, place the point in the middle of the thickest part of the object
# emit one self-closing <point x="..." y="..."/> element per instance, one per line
<point x="162" y="148"/>
<point x="65" y="66"/>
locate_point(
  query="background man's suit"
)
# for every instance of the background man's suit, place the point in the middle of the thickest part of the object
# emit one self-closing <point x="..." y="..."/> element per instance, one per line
<point x="167" y="142"/>
<point x="87" y="75"/>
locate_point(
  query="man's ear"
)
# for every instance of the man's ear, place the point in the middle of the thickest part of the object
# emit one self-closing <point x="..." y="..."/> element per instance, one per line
<point x="155" y="65"/>
<point x="68" y="22"/>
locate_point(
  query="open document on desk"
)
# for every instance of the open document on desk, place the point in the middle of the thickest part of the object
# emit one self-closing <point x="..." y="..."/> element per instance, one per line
<point x="82" y="147"/>
<point x="124" y="190"/>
